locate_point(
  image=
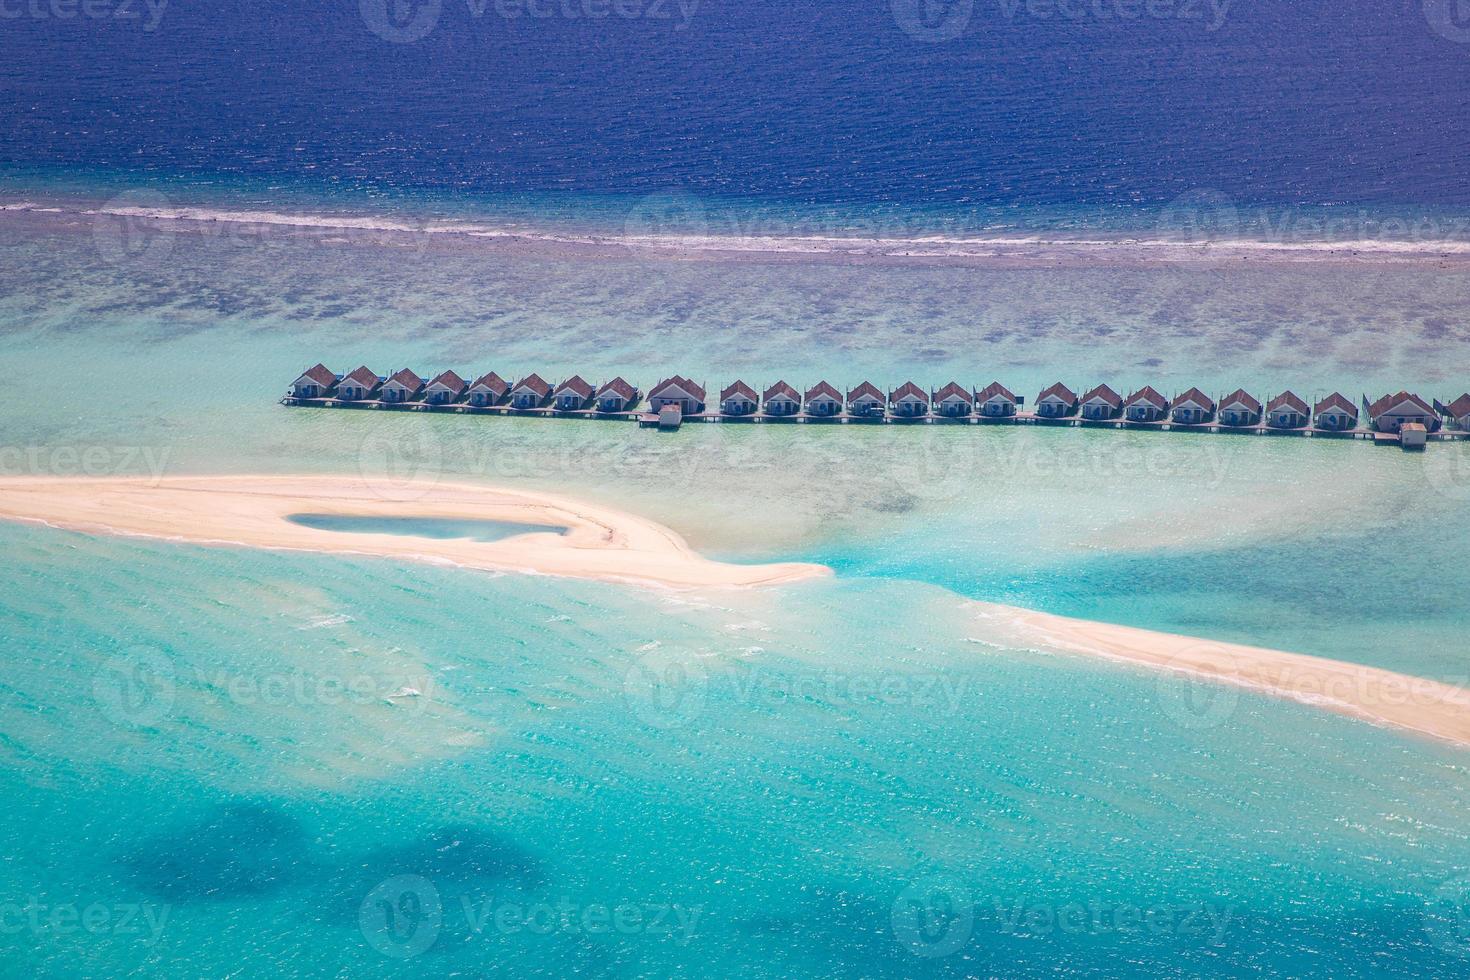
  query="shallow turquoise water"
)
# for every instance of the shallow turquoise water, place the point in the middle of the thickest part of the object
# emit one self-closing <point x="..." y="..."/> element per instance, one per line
<point x="442" y="528"/>
<point x="318" y="765"/>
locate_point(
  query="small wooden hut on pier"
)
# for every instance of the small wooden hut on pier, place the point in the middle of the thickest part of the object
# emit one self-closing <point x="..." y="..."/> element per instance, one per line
<point x="1239" y="409"/>
<point x="316" y="381"/>
<point x="781" y="400"/>
<point x="572" y="395"/>
<point x="823" y="401"/>
<point x="489" y="389"/>
<point x="953" y="401"/>
<point x="530" y="393"/>
<point x="1392" y="412"/>
<point x="403" y="386"/>
<point x="865" y="401"/>
<point x="1146" y="405"/>
<point x="909" y="401"/>
<point x="1056" y="402"/>
<point x="444" y="389"/>
<point x="996" y="401"/>
<point x="1287" y="411"/>
<point x="1336" y="413"/>
<point x="616" y="396"/>
<point x="1101" y="404"/>
<point x="738" y="400"/>
<point x="1193" y="407"/>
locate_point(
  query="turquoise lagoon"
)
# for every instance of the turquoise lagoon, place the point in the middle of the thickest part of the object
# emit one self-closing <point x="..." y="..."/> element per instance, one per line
<point x="232" y="762"/>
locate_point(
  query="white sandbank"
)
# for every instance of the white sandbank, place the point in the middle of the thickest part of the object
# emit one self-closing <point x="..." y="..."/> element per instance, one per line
<point x="605" y="544"/>
<point x="253" y="511"/>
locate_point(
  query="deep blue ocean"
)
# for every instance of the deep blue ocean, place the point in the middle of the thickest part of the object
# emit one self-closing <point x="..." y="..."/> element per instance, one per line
<point x="1007" y="111"/>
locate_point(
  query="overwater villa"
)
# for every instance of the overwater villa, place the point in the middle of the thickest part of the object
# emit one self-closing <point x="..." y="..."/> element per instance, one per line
<point x="444" y="390"/>
<point x="1056" y="402"/>
<point x="823" y="401"/>
<point x="572" y="395"/>
<point x="316" y="381"/>
<point x="358" y="386"/>
<point x="781" y="400"/>
<point x="1146" y="405"/>
<point x="953" y="401"/>
<point x="1336" y="413"/>
<point x="616" y="396"/>
<point x="488" y="389"/>
<point x="1459" y="410"/>
<point x="1193" y="407"/>
<point x="1101" y="403"/>
<point x="1287" y="411"/>
<point x="996" y="401"/>
<point x="676" y="399"/>
<point x="401" y="387"/>
<point x="530" y="392"/>
<point x="865" y="401"/>
<point x="739" y="400"/>
<point x="1392" y="412"/>
<point x="1240" y="409"/>
<point x="680" y="391"/>
<point x="909" y="401"/>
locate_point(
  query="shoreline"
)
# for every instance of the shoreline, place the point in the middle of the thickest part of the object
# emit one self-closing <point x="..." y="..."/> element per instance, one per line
<point x="1404" y="702"/>
<point x="587" y="541"/>
<point x="253" y="512"/>
<point x="150" y="215"/>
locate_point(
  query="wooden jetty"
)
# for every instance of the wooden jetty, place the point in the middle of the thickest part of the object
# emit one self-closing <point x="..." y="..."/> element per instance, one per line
<point x="1402" y="418"/>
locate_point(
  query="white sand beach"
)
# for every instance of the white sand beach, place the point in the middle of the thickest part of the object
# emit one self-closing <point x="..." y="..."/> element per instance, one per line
<point x="254" y="511"/>
<point x="1383" y="697"/>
